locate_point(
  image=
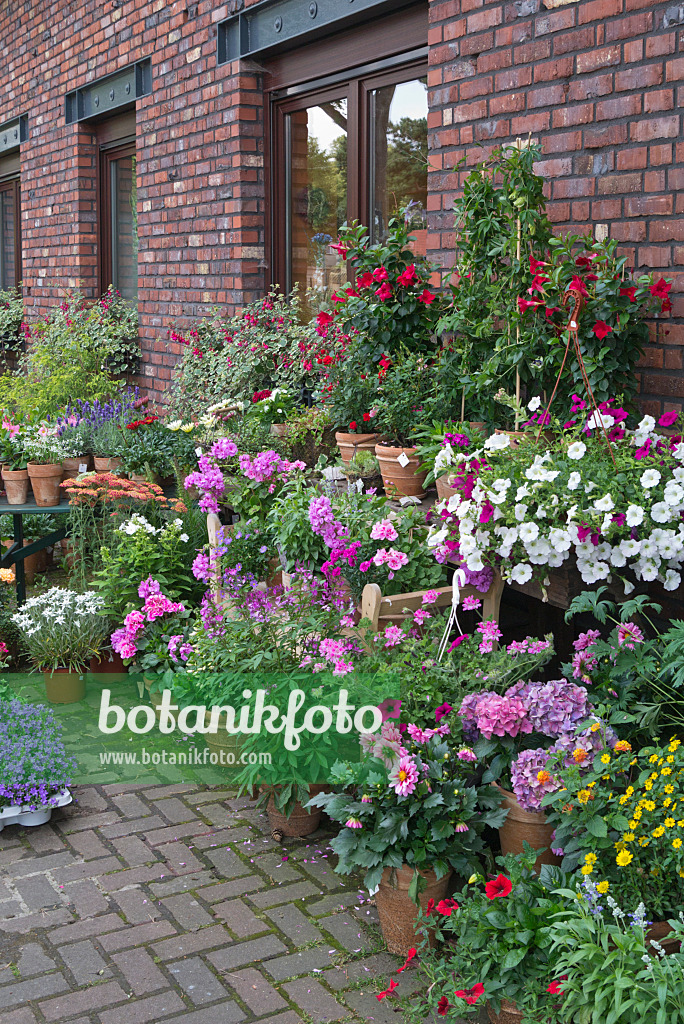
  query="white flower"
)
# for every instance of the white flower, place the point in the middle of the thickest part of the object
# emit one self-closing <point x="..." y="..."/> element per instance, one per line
<point x="528" y="532"/>
<point x="474" y="562"/>
<point x="650" y="478"/>
<point x="646" y="425"/>
<point x="538" y="551"/>
<point x="628" y="587"/>
<point x="524" y="492"/>
<point x="501" y="483"/>
<point x="174" y="425"/>
<point x="559" y="539"/>
<point x="555" y="559"/>
<point x="672" y="580"/>
<point x="630" y="548"/>
<point x="647" y="570"/>
<point x="520" y="512"/>
<point x="589" y="487"/>
<point x="184" y="537"/>
<point x="521" y="573"/>
<point x="601" y="570"/>
<point x="596" y="419"/>
<point x="574" y="480"/>
<point x="661" y="512"/>
<point x="467" y="545"/>
<point x="497" y="443"/>
<point x="618" y="558"/>
<point x="444" y="458"/>
<point x="534" y="403"/>
<point x="571" y="515"/>
<point x="649" y="548"/>
<point x="635" y="515"/>
<point x="577" y="450"/>
<point x="673" y="493"/>
<point x="678" y="451"/>
<point x="604" y="504"/>
<point x="541" y="512"/>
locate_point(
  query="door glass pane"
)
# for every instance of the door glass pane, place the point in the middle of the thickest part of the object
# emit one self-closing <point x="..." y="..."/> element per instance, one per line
<point x="398" y="152"/>
<point x="124" y="226"/>
<point x="7" y="239"/>
<point x="317" y="198"/>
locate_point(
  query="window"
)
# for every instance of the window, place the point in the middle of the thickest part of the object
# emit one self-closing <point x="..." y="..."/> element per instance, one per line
<point x="118" y="206"/>
<point x="347" y="145"/>
<point x="10" y="234"/>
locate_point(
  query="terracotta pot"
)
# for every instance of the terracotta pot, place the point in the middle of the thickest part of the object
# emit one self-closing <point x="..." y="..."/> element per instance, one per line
<point x="45" y="480"/>
<point x="141" y="478"/>
<point x="33" y="563"/>
<point x="16" y="483"/>
<point x="659" y="931"/>
<point x="275" y="572"/>
<point x="300" y="823"/>
<point x="525" y="826"/>
<point x="223" y="743"/>
<point x="397" y="479"/>
<point x="67" y="547"/>
<point x="443" y="488"/>
<point x="108" y="662"/>
<point x="279" y="429"/>
<point x="105" y="464"/>
<point x="72" y="467"/>
<point x="508" y="1014"/>
<point x="398" y="912"/>
<point x="476" y="424"/>
<point x="351" y="444"/>
<point x="63" y="686"/>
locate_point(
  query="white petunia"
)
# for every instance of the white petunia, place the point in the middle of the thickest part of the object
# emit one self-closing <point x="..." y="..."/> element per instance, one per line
<point x="628" y="587"/>
<point x="497" y="443"/>
<point x="444" y="458"/>
<point x="634" y="515"/>
<point x="661" y="512"/>
<point x="555" y="559"/>
<point x="672" y="580"/>
<point x="521" y="573"/>
<point x="649" y="548"/>
<point x="597" y="419"/>
<point x="501" y="483"/>
<point x="648" y="571"/>
<point x="678" y="451"/>
<point x="520" y="512"/>
<point x="589" y="487"/>
<point x="604" y="504"/>
<point x="601" y="570"/>
<point x="630" y="548"/>
<point x="673" y="493"/>
<point x="184" y="537"/>
<point x="559" y="539"/>
<point x="528" y="532"/>
<point x="524" y="492"/>
<point x="650" y="478"/>
<point x="646" y="425"/>
<point x="618" y="558"/>
<point x="534" y="403"/>
<point x="474" y="562"/>
<point x="577" y="450"/>
<point x="574" y="480"/>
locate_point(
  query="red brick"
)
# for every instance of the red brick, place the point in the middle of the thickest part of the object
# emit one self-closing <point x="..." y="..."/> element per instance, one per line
<point x="675" y="179"/>
<point x="606" y="209"/>
<point x="632" y="159"/>
<point x="555" y="168"/>
<point x="651" y="256"/>
<point x="508" y="103"/>
<point x="561" y="67"/>
<point x="590" y="88"/>
<point x="477" y="44"/>
<point x="674" y="70"/>
<point x="656" y="128"/>
<point x="603" y="58"/>
<point x="657" y="46"/>
<point x="611" y="135"/>
<point x="672" y="359"/>
<point x="488" y="18"/>
<point x="660" y="155"/>
<point x="614" y="184"/>
<point x="565" y="143"/>
<point x="568" y="188"/>
<point x="597" y="10"/>
<point x="663" y="99"/>
<point x="546" y="97"/>
<point x="472" y="87"/>
<point x="530" y="123"/>
<point x="638" y="78"/>
<point x="516" y="78"/>
<point x="633" y="51"/>
<point x="648" y="206"/>
<point x="528" y="53"/>
<point x="494" y="61"/>
<point x="571" y="42"/>
<point x="565" y="117"/>
<point x="621" y="106"/>
<point x="469" y="111"/>
<point x="654" y="181"/>
<point x="628" y="231"/>
<point x="628" y="28"/>
<point x="671" y="230"/>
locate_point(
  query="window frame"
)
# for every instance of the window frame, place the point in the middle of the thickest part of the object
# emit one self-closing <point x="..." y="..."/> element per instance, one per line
<point x="116" y="139"/>
<point x="12" y="183"/>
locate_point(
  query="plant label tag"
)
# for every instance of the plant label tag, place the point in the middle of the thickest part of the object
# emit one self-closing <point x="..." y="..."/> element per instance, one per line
<point x="409" y="499"/>
<point x="359" y="486"/>
<point x="83" y="467"/>
<point x="403" y="460"/>
<point x="573" y="325"/>
<point x="198" y="452"/>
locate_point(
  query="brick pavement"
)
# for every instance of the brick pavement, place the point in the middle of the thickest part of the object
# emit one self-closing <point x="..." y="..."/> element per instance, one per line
<point x="172" y="903"/>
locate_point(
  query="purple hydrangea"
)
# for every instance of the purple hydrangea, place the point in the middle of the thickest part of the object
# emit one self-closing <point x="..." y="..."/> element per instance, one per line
<point x="553" y="708"/>
<point x="530" y="780"/>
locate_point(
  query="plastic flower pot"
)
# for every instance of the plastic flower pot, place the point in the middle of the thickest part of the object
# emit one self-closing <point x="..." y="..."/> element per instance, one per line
<point x="24" y="815"/>
<point x="45" y="480"/>
<point x="63" y="686"/>
<point x="16" y="483"/>
<point x="398" y="912"/>
<point x="508" y="1014"/>
<point x="400" y="477"/>
<point x="523" y="826"/>
<point x="351" y="444"/>
<point x="106" y="465"/>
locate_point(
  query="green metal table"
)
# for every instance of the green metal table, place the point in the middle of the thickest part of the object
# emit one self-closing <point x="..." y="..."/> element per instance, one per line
<point x="16" y="554"/>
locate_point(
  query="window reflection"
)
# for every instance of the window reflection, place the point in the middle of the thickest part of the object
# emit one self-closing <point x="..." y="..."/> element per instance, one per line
<point x="124" y="226"/>
<point x="8" y="237"/>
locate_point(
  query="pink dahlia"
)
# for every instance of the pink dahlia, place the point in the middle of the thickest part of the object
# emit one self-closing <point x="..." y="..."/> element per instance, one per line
<point x="404" y="777"/>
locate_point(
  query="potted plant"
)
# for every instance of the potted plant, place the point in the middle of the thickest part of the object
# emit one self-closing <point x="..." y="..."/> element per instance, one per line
<point x="14" y="472"/>
<point x="36" y="769"/>
<point x="412" y="814"/>
<point x="496" y="937"/>
<point x="147" y="629"/>
<point x="272" y="409"/>
<point x="44" y="454"/>
<point x="148" y="450"/>
<point x="443" y="446"/>
<point x="348" y="390"/>
<point x="61" y="631"/>
<point x="362" y="471"/>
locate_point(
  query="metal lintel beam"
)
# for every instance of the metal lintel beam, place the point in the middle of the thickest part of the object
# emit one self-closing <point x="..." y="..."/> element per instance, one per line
<point x="274" y="25"/>
<point x="109" y="94"/>
<point x="13" y="133"/>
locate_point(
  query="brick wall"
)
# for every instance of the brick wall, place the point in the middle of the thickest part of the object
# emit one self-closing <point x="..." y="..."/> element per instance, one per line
<point x="199" y="148"/>
<point x="600" y="84"/>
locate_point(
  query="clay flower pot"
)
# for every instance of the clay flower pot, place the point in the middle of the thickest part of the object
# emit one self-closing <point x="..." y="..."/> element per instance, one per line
<point x="351" y="444"/>
<point x="508" y="1014"/>
<point x="16" y="483"/>
<point x="279" y="429"/>
<point x="659" y="931"/>
<point x="72" y="467"/>
<point x="45" y="480"/>
<point x="300" y="823"/>
<point x="525" y="826"/>
<point x="63" y="686"/>
<point x="108" y="662"/>
<point x="106" y="465"/>
<point x="400" y="477"/>
<point x="398" y="912"/>
<point x="444" y="490"/>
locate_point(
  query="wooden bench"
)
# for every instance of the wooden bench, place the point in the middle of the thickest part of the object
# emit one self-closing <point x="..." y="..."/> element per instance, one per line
<point x="394" y="609"/>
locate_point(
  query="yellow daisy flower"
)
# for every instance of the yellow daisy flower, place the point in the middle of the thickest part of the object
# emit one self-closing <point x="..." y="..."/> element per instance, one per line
<point x="624" y="858"/>
<point x="603" y="887"/>
<point x="676" y="843"/>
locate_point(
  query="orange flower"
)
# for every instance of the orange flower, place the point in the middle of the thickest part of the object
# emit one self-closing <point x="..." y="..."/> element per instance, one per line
<point x="579" y="756"/>
<point x="623" y="747"/>
<point x="543" y="777"/>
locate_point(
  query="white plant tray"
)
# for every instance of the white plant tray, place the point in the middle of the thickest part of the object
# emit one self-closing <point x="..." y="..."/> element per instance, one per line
<point x="23" y="815"/>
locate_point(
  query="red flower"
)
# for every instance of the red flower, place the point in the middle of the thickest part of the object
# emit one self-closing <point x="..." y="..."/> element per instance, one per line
<point x="535" y="265"/>
<point x="426" y="296"/>
<point x="341" y="249"/>
<point x="408" y="276"/>
<point x="537" y="284"/>
<point x="666" y="307"/>
<point x="259" y="396"/>
<point x="550" y="310"/>
<point x="554" y="988"/>
<point x="630" y="292"/>
<point x="380" y="274"/>
<point x="352" y="425"/>
<point x="364" y="280"/>
<point x="578" y="285"/>
<point x="585" y="261"/>
<point x="660" y="289"/>
<point x="409" y="957"/>
<point x="339" y="298"/>
<point x="668" y="418"/>
<point x="591" y="277"/>
<point x="601" y="328"/>
<point x="447" y="907"/>
<point x="500" y="886"/>
<point x="443" y="1007"/>
<point x="471" y="995"/>
<point x="351" y="292"/>
<point x="366" y="417"/>
<point x="384" y="292"/>
<point x="430" y="906"/>
<point x="525" y="304"/>
<point x="390" y="988"/>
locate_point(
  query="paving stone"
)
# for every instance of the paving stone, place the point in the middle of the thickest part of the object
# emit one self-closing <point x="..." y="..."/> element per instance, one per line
<point x="45" y="919"/>
<point x="129" y="827"/>
<point x="85" y="963"/>
<point x="299" y="928"/>
<point x="34" y="865"/>
<point x="368" y="1007"/>
<point x="84" y="929"/>
<point x="140" y="971"/>
<point x="347" y="931"/>
<point x="159" y="792"/>
<point x="217" y="814"/>
<point x="283" y="1018"/>
<point x="88" y="821"/>
<point x="73" y="872"/>
<point x="179" y="858"/>
<point x="194" y="942"/>
<point x="380" y="966"/>
<point x="89" y="797"/>
<point x="131" y="806"/>
<point x="36" y="988"/>
<point x="226" y="890"/>
<point x="21" y="1016"/>
<point x="312" y="998"/>
<point x="240" y="919"/>
<point x="277" y="869"/>
<point x="175" y="810"/>
<point x="241" y="953"/>
<point x="295" y="964"/>
<point x="32" y="960"/>
<point x="92" y="998"/>
<point x="136" y="906"/>
<point x="212" y="795"/>
<point x="284" y="894"/>
<point x="331" y="904"/>
<point x="183" y="883"/>
<point x="226" y="1013"/>
<point x="145" y="1011"/>
<point x="137" y="935"/>
<point x="227" y="862"/>
<point x="188" y="912"/>
<point x="158" y="836"/>
<point x="44" y="840"/>
<point x="322" y="872"/>
<point x="223" y="836"/>
<point x="255" y="991"/>
<point x="9" y="908"/>
<point x="37" y="892"/>
<point x="10" y="855"/>
<point x="133" y="876"/>
<point x="88" y="845"/>
<point x="133" y="851"/>
<point x="197" y="981"/>
<point x="85" y="898"/>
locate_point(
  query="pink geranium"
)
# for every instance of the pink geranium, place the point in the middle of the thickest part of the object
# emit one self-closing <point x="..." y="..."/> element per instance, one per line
<point x="384" y="530"/>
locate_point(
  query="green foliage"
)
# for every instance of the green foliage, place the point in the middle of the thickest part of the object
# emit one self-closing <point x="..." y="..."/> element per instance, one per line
<point x="288" y="519"/>
<point x="406" y="397"/>
<point x="152" y="448"/>
<point x="349" y="390"/>
<point x="11" y="316"/>
<point x="439" y="445"/>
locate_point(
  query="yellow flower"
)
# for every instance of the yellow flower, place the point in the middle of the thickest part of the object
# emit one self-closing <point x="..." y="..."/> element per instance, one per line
<point x="587" y="869"/>
<point x="583" y="796"/>
<point x="681" y="873"/>
<point x="629" y="791"/>
<point x="624" y="858"/>
<point x="628" y="837"/>
<point x="603" y="887"/>
<point x="590" y="858"/>
<point x="605" y="758"/>
<point x="653" y="758"/>
<point x="658" y="832"/>
<point x="623" y="747"/>
<point x="669" y="822"/>
<point x="669" y="788"/>
<point x="623" y="800"/>
<point x="667" y="801"/>
<point x="666" y="770"/>
<point x="579" y="756"/>
<point x="674" y="744"/>
<point x="670" y="759"/>
<point x="644" y="842"/>
<point x="676" y="843"/>
<point x="543" y="777"/>
<point x="680" y="823"/>
<point x="637" y="812"/>
<point x="596" y="726"/>
<point x="649" y="805"/>
<point x="633" y="825"/>
<point x="648" y="784"/>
